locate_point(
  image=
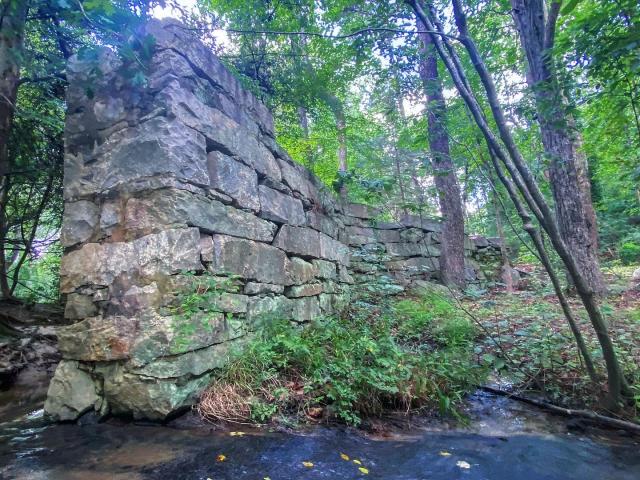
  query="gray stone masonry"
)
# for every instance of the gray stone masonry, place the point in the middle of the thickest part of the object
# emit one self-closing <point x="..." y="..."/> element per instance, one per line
<point x="178" y="188"/>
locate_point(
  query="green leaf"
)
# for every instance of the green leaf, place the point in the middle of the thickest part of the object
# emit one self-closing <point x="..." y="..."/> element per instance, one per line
<point x="568" y="8"/>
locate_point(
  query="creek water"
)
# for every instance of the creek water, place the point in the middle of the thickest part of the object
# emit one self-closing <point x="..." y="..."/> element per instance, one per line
<point x="503" y="440"/>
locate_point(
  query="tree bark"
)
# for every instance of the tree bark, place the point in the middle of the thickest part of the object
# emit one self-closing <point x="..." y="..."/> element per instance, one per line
<point x="13" y="14"/>
<point x="561" y="141"/>
<point x="452" y="242"/>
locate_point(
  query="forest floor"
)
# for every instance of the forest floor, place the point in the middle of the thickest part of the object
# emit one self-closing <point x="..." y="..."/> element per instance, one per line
<point x="526" y="340"/>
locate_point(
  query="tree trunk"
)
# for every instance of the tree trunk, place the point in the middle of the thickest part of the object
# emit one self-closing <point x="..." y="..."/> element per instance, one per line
<point x="12" y="21"/>
<point x="561" y="140"/>
<point x="337" y="108"/>
<point x="511" y="157"/>
<point x="506" y="269"/>
<point x="452" y="242"/>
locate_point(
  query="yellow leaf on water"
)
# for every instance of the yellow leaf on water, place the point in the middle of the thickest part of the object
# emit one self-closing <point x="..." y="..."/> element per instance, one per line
<point x="463" y="464"/>
<point x="364" y="471"/>
<point x="344" y="456"/>
<point x="357" y="462"/>
<point x="307" y="464"/>
<point x="221" y="458"/>
<point x="236" y="434"/>
<point x="445" y="454"/>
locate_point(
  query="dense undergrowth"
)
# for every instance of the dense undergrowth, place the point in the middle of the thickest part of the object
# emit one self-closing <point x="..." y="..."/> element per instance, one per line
<point x="528" y="343"/>
<point x="426" y="352"/>
<point x="415" y="353"/>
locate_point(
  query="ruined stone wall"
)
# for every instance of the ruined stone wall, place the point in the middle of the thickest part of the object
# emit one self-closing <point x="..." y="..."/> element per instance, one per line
<point x="399" y="253"/>
<point x="176" y="190"/>
<point x="180" y="175"/>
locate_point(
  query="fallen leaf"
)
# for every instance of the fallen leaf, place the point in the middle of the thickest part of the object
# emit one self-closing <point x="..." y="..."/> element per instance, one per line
<point x="364" y="471"/>
<point x="221" y="458"/>
<point x="307" y="464"/>
<point x="236" y="434"/>
<point x="315" y="412"/>
<point x="357" y="462"/>
<point x="445" y="454"/>
<point x="344" y="456"/>
<point x="463" y="464"/>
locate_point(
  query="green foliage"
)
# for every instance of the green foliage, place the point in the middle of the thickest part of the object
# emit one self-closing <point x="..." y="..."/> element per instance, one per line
<point x="629" y="250"/>
<point x="361" y="363"/>
<point x="197" y="305"/>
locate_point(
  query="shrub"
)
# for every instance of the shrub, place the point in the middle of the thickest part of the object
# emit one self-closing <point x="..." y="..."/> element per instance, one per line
<point x="360" y="364"/>
<point x="629" y="252"/>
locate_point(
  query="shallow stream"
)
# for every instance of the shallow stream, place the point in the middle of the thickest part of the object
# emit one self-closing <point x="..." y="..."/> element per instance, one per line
<point x="504" y="440"/>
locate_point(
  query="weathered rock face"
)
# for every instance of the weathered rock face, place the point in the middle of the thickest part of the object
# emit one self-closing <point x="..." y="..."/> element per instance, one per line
<point x="179" y="188"/>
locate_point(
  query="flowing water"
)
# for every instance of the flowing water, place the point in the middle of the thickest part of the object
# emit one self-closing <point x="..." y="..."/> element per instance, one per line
<point x="504" y="440"/>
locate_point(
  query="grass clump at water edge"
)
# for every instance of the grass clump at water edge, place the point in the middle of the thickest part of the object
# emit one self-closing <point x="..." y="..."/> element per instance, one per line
<point x="416" y="353"/>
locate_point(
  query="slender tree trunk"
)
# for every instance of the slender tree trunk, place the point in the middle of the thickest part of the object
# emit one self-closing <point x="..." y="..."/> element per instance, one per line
<point x="337" y="108"/>
<point x="13" y="14"/>
<point x="452" y="243"/>
<point x="506" y="268"/>
<point x="28" y="241"/>
<point x="511" y="157"/>
<point x="561" y="140"/>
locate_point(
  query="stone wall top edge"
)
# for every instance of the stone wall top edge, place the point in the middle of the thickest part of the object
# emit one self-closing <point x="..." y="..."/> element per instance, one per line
<point x="171" y="33"/>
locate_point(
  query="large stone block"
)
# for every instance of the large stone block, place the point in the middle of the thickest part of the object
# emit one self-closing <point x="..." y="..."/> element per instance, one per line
<point x="388" y="236"/>
<point x="175" y="334"/>
<point x="294" y="178"/>
<point x="148" y="397"/>
<point x="305" y="309"/>
<point x="311" y="243"/>
<point x="281" y="208"/>
<point x="79" y="306"/>
<point x="72" y="392"/>
<point x="323" y="223"/>
<point x="78" y="222"/>
<point x="251" y="260"/>
<point x="193" y="363"/>
<point x="425" y="223"/>
<point x="325" y="270"/>
<point x="412" y="249"/>
<point x="255" y="288"/>
<point x="308" y="290"/>
<point x="171" y="207"/>
<point x="414" y="265"/>
<point x="234" y="179"/>
<point x="98" y="339"/>
<point x="301" y="271"/>
<point x="221" y="132"/>
<point x="158" y="146"/>
<point x="165" y="253"/>
<point x="171" y="35"/>
<point x="264" y="310"/>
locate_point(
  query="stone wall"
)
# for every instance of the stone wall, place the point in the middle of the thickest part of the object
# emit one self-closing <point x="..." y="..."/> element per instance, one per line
<point x="399" y="253"/>
<point x="176" y="189"/>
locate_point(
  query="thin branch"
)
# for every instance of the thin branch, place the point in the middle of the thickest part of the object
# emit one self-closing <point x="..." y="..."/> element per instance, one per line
<point x="550" y="27"/>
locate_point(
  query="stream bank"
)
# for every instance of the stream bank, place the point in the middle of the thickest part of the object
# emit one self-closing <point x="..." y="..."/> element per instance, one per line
<point x="503" y="440"/>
